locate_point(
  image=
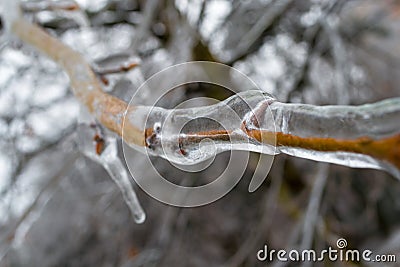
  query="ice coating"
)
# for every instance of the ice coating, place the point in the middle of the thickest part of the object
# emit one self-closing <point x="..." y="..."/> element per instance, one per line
<point x="365" y="136"/>
<point x="190" y="136"/>
<point x="362" y="137"/>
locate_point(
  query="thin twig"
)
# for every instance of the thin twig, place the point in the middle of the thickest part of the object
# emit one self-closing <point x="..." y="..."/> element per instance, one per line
<point x="274" y="12"/>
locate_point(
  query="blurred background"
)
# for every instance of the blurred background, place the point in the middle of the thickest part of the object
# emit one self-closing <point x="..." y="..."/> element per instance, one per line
<point x="60" y="208"/>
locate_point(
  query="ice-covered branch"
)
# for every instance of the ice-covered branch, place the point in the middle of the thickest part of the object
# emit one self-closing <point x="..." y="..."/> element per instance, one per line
<point x="365" y="137"/>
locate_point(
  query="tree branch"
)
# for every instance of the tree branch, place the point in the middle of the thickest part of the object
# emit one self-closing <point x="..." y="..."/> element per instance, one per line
<point x="301" y="129"/>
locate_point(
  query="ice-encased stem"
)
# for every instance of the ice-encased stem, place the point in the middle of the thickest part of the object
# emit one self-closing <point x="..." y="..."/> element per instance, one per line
<point x="366" y="136"/>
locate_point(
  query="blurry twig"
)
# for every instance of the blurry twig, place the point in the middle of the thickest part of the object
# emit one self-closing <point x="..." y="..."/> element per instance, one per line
<point x="201" y="15"/>
<point x="272" y="13"/>
<point x="311" y="216"/>
<point x="150" y="10"/>
<point x="340" y="62"/>
<point x="291" y="243"/>
<point x="36" y="6"/>
<point x="262" y="227"/>
<point x="124" y="66"/>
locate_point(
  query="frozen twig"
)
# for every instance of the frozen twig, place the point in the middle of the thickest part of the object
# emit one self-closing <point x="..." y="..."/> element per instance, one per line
<point x="103" y="68"/>
<point x="124" y="66"/>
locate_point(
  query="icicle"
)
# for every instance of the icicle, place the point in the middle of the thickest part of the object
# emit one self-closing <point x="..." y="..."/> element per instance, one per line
<point x="103" y="150"/>
<point x="112" y="163"/>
